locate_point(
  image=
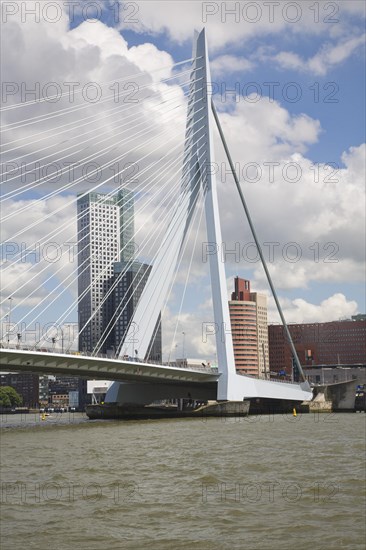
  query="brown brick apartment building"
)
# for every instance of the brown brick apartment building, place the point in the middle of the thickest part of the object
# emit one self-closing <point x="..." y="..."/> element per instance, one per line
<point x="332" y="343"/>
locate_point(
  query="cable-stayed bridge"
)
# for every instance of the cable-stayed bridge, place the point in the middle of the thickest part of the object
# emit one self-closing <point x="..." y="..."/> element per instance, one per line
<point x="157" y="381"/>
<point x="177" y="190"/>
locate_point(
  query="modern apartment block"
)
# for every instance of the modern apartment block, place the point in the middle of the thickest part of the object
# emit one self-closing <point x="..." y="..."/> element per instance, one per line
<point x="333" y="343"/>
<point x="105" y="233"/>
<point x="248" y="316"/>
<point x="110" y="279"/>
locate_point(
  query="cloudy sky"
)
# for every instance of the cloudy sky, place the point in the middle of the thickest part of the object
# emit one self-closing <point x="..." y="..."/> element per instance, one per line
<point x="289" y="85"/>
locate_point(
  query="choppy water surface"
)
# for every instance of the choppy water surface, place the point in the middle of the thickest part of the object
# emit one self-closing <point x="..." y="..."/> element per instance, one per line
<point x="279" y="483"/>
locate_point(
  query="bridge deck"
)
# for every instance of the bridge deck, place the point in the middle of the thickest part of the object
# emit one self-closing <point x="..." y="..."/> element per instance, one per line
<point x="46" y="362"/>
<point x="104" y="368"/>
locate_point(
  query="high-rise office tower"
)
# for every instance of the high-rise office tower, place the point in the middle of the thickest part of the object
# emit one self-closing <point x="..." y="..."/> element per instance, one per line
<point x="110" y="279"/>
<point x="105" y="236"/>
<point x="248" y="315"/>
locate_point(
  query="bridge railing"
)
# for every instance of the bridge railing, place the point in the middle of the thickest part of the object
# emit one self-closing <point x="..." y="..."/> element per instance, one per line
<point x="43" y="349"/>
<point x="270" y="379"/>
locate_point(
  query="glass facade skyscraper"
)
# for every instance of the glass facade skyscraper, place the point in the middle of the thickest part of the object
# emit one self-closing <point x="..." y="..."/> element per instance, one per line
<point x="110" y="279"/>
<point x="99" y="247"/>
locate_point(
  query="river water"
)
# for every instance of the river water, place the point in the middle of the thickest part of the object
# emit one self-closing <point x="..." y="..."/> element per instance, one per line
<point x="276" y="483"/>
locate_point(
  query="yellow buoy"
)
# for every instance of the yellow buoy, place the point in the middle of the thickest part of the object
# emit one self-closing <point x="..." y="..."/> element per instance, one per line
<point x="294" y="413"/>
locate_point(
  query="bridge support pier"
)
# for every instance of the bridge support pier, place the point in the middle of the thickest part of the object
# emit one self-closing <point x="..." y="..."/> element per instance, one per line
<point x="144" y="394"/>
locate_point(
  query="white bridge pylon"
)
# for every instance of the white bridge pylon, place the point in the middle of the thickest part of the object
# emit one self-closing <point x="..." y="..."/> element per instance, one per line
<point x="196" y="179"/>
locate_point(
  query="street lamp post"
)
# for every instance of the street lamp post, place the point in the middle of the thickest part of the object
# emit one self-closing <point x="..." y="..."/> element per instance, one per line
<point x="264" y="361"/>
<point x="62" y="339"/>
<point x="10" y="302"/>
<point x="5" y="333"/>
<point x="183" y="346"/>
